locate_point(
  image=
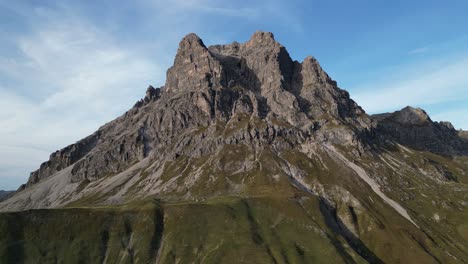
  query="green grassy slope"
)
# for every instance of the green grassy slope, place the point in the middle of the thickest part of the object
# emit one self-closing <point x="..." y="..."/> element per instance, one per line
<point x="285" y="229"/>
<point x="81" y="235"/>
<point x="224" y="230"/>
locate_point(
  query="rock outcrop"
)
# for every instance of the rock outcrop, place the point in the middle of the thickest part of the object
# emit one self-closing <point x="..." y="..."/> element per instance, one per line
<point x="413" y="127"/>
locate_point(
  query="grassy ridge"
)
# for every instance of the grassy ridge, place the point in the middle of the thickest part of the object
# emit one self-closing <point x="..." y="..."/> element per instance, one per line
<point x="222" y="230"/>
<point x="295" y="229"/>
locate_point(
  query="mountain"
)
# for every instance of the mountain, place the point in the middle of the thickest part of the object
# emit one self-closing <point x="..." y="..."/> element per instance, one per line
<point x="413" y="127"/>
<point x="247" y="156"/>
<point x="5" y="194"/>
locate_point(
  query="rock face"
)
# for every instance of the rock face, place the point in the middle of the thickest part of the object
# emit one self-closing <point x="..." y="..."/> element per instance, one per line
<point x="244" y="140"/>
<point x="207" y="84"/>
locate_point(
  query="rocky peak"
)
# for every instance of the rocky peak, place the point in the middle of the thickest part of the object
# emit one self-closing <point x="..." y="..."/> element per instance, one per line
<point x="312" y="73"/>
<point x="194" y="67"/>
<point x="151" y="94"/>
<point x="189" y="46"/>
<point x="447" y="124"/>
<point x="214" y="84"/>
<point x="191" y="41"/>
<point x="264" y="76"/>
<point x="263" y="50"/>
<point x="411" y="116"/>
<point x="262" y="38"/>
<point x="413" y="127"/>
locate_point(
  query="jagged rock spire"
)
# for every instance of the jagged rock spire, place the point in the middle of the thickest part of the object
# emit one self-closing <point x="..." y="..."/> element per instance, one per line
<point x="194" y="67"/>
<point x="191" y="40"/>
<point x="261" y="37"/>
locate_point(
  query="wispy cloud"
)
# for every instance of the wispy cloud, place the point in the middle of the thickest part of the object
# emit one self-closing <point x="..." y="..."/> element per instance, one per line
<point x="68" y="78"/>
<point x="419" y="50"/>
<point x="456" y="115"/>
<point x="206" y="13"/>
<point x="218" y="8"/>
<point x="444" y="84"/>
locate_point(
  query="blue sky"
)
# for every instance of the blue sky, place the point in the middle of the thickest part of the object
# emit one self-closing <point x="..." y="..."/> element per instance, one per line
<point x="67" y="67"/>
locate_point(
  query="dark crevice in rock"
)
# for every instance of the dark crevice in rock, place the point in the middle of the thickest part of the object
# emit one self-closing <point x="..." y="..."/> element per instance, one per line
<point x="424" y="247"/>
<point x="354" y="218"/>
<point x="339" y="228"/>
<point x="15" y="251"/>
<point x="156" y="239"/>
<point x="104" y="242"/>
<point x="255" y="231"/>
<point x="340" y="249"/>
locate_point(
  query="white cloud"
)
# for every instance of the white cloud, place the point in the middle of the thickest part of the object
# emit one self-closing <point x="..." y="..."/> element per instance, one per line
<point x="211" y="7"/>
<point x="208" y="7"/>
<point x="447" y="83"/>
<point x="457" y="116"/>
<point x="90" y="75"/>
<point x="419" y="50"/>
<point x="438" y="85"/>
<point x="203" y="13"/>
<point x="78" y="79"/>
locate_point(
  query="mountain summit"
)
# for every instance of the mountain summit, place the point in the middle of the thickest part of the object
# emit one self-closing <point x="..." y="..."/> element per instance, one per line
<point x="245" y="155"/>
<point x="222" y="84"/>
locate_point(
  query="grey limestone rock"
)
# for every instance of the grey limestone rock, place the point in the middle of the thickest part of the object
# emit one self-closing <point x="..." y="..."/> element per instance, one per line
<point x="213" y="84"/>
<point x="254" y="87"/>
